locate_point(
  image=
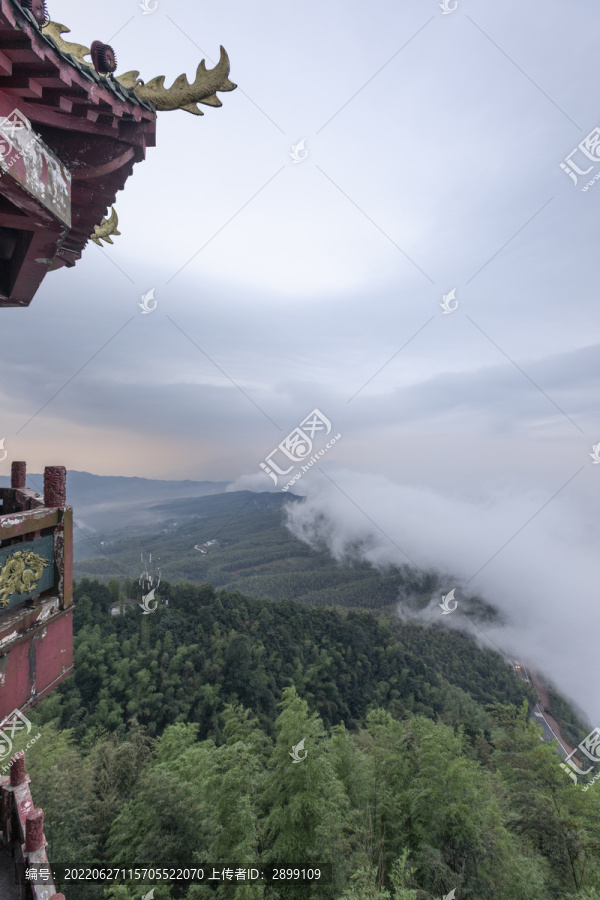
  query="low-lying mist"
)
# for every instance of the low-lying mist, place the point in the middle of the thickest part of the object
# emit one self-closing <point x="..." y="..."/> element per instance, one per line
<point x="535" y="561"/>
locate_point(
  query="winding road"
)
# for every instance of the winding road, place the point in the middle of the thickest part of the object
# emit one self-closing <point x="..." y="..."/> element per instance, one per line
<point x="549" y="733"/>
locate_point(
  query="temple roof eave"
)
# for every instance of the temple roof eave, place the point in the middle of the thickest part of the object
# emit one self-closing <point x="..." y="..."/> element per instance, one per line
<point x="23" y="19"/>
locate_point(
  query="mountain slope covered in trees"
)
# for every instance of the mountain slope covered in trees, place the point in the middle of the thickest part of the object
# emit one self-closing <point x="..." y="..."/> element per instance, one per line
<point x="171" y="743"/>
<point x="256" y="554"/>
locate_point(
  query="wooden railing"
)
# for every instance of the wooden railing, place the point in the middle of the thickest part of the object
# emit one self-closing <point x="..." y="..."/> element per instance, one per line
<point x="44" y="526"/>
<point x="22" y="838"/>
<point x="36" y="588"/>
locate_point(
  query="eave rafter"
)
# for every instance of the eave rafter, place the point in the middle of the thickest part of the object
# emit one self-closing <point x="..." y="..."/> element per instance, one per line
<point x="32" y="71"/>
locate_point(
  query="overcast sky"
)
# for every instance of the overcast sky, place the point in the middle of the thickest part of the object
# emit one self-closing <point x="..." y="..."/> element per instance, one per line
<point x="432" y="147"/>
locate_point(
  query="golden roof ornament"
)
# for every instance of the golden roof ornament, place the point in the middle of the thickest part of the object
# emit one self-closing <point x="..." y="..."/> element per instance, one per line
<point x="103" y="231"/>
<point x="181" y="94"/>
<point x="55" y="30"/>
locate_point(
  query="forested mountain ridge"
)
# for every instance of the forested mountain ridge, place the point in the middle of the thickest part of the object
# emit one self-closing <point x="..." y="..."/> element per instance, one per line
<point x="256" y="554"/>
<point x="251" y="649"/>
<point x="422" y="772"/>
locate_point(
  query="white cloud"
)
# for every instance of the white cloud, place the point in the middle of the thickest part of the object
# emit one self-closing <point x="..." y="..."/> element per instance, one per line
<point x="536" y="559"/>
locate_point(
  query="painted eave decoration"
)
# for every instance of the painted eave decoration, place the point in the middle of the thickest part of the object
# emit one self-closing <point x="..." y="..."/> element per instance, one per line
<point x="71" y="130"/>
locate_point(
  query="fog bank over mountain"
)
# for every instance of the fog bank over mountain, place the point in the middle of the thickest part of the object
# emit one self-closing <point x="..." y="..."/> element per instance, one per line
<point x="532" y="557"/>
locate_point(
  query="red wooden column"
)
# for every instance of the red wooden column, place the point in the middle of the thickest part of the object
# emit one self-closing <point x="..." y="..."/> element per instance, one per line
<point x="55" y="486"/>
<point x="18" y="475"/>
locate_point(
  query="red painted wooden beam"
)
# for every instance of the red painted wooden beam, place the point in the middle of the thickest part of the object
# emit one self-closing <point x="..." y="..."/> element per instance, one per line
<point x="5" y="65"/>
<point x="107" y="169"/>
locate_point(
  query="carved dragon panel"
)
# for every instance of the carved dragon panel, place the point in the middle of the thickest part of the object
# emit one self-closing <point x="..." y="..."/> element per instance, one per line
<point x="22" y="572"/>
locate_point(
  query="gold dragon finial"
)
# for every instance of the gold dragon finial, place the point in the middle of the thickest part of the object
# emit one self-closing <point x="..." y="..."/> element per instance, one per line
<point x="103" y="231"/>
<point x="181" y="94"/>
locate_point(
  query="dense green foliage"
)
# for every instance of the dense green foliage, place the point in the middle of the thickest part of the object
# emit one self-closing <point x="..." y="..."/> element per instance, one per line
<point x="422" y="774"/>
<point x="570" y="721"/>
<point x="182" y="662"/>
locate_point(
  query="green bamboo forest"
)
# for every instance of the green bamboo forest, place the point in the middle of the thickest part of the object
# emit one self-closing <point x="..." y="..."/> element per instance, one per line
<point x="421" y="774"/>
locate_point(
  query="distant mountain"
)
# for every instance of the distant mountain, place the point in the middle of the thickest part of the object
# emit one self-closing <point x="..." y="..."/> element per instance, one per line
<point x="101" y="502"/>
<point x="85" y="490"/>
<point x="240" y="521"/>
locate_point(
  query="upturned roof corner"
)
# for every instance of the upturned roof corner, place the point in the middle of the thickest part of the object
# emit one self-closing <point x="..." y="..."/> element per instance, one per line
<point x="181" y="94"/>
<point x="71" y="131"/>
